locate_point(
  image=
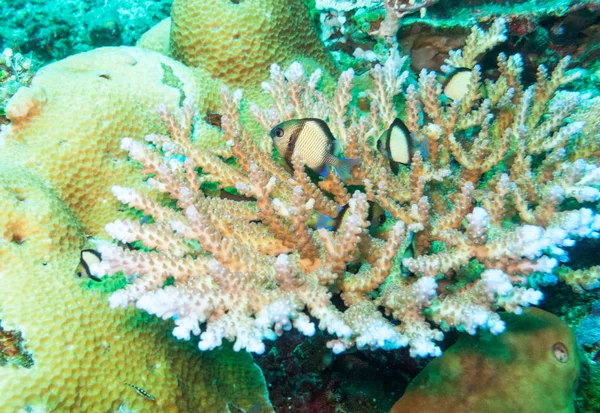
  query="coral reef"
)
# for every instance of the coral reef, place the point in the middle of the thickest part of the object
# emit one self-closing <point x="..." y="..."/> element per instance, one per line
<point x="109" y="93"/>
<point x="588" y="331"/>
<point x="359" y="33"/>
<point x="82" y="352"/>
<point x="157" y="38"/>
<point x="220" y="237"/>
<point x="11" y="349"/>
<point x="579" y="310"/>
<point x="487" y="207"/>
<point x="16" y="70"/>
<point x="523" y="15"/>
<point x="237" y="41"/>
<point x="55" y="29"/>
<point x="532" y="367"/>
<point x="542" y="31"/>
<point x="116" y="90"/>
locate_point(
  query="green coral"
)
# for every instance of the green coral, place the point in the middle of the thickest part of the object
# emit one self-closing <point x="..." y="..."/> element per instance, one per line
<point x="522" y="370"/>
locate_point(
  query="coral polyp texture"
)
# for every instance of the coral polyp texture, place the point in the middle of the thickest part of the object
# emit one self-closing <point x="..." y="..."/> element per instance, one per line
<point x="236" y="41"/>
<point x="66" y="350"/>
<point x="108" y="93"/>
<point x="532" y="367"/>
<point x="474" y="224"/>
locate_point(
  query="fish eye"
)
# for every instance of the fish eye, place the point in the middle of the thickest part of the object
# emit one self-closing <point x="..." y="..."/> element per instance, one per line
<point x="279" y="132"/>
<point x="381" y="219"/>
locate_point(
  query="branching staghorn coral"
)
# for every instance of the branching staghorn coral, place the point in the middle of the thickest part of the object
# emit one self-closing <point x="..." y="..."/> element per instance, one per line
<point x="482" y="213"/>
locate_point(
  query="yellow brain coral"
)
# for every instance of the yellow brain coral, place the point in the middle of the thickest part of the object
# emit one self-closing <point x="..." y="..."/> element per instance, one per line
<point x="83" y="352"/>
<point x="237" y="41"/>
<point x="67" y="126"/>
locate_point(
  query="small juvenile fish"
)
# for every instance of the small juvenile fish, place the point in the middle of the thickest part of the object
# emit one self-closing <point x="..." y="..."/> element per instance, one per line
<point x="87" y="258"/>
<point x="313" y="141"/>
<point x="397" y="145"/>
<point x="141" y="391"/>
<point x="458" y="82"/>
<point x="319" y="220"/>
<point x="376" y="216"/>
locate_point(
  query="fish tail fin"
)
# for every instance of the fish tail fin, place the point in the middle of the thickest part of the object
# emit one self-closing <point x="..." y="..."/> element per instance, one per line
<point x="344" y="165"/>
<point x="423" y="147"/>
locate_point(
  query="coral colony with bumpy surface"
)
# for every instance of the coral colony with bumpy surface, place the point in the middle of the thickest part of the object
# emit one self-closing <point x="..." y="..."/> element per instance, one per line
<point x="328" y="220"/>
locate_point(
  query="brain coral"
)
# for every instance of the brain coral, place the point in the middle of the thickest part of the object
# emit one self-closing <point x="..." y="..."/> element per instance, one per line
<point x="83" y="352"/>
<point x="237" y="41"/>
<point x="80" y="108"/>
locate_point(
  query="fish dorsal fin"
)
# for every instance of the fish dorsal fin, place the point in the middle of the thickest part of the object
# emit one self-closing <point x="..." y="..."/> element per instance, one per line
<point x="458" y="83"/>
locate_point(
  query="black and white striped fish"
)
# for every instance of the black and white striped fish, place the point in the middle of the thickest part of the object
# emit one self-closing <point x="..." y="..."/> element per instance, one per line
<point x="313" y="141"/>
<point x="457" y="83"/>
<point x="141" y="391"/>
<point x="87" y="258"/>
<point x="397" y="145"/>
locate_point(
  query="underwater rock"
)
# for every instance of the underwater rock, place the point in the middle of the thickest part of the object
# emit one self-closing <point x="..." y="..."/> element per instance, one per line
<point x="532" y="367"/>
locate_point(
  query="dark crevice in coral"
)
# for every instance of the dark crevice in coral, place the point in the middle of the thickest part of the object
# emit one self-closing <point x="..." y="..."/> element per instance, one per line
<point x="213" y="119"/>
<point x="17" y="239"/>
<point x="304" y="376"/>
<point x="584" y="254"/>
